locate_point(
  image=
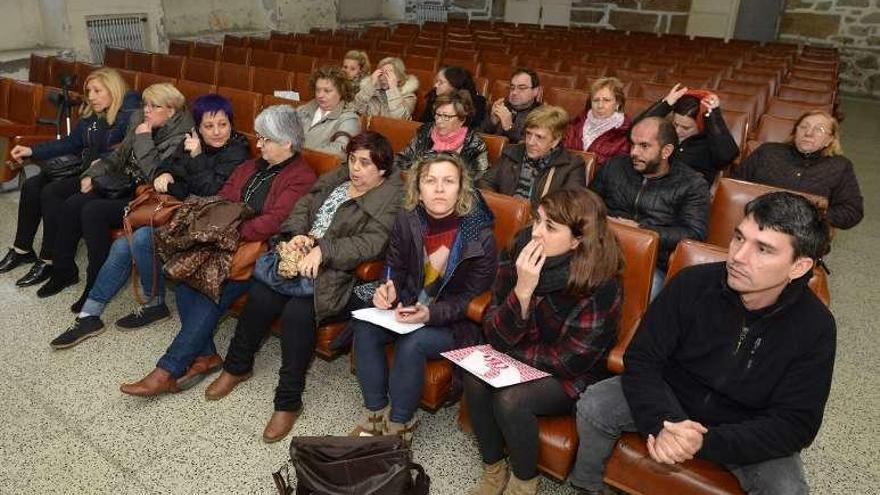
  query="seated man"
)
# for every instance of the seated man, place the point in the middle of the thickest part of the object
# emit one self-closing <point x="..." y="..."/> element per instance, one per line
<point x="645" y="190"/>
<point x="508" y="117"/>
<point x="732" y="363"/>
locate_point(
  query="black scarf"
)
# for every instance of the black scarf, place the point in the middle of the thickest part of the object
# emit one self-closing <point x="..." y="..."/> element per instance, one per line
<point x="532" y="168"/>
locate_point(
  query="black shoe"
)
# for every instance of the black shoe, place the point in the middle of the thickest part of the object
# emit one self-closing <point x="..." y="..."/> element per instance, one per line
<point x="39" y="273"/>
<point x="57" y="284"/>
<point x="144" y="316"/>
<point x="81" y="329"/>
<point x="14" y="259"/>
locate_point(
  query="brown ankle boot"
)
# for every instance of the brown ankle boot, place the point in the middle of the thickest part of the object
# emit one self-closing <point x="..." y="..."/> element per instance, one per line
<point x="516" y="486"/>
<point x="224" y="384"/>
<point x="201" y="367"/>
<point x="158" y="382"/>
<point x="494" y="479"/>
<point x="280" y="425"/>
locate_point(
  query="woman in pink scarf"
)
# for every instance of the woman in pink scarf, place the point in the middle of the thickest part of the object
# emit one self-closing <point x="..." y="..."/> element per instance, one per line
<point x="602" y="128"/>
<point x="448" y="133"/>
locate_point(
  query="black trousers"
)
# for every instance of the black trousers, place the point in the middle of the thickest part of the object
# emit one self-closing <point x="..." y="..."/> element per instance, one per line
<point x="509" y="416"/>
<point x="92" y="218"/>
<point x="41" y="200"/>
<point x="298" y="336"/>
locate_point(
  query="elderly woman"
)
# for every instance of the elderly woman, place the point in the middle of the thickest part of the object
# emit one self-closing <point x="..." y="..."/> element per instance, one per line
<point x="448" y="133"/>
<point x="356" y="65"/>
<point x="602" y="128"/>
<point x="202" y="165"/>
<point x="389" y="92"/>
<point x="554" y="306"/>
<point x="441" y="255"/>
<point x="270" y="185"/>
<point x="103" y="120"/>
<point x="539" y="165"/>
<point x="327" y="121"/>
<point x="453" y="79"/>
<point x="342" y="222"/>
<point x="704" y="142"/>
<point x="811" y="161"/>
<point x="108" y="185"/>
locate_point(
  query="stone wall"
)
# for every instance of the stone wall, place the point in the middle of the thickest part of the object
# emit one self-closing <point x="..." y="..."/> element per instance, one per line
<point x="653" y="16"/>
<point x="852" y="25"/>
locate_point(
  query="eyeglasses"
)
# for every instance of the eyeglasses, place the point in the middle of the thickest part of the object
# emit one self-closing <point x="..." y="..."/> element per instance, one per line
<point x="519" y="88"/>
<point x="263" y="139"/>
<point x="153" y="106"/>
<point x="815" y="129"/>
<point x="444" y="116"/>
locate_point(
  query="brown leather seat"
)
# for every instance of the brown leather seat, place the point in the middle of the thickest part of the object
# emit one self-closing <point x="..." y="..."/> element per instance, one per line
<point x="258" y="43"/>
<point x="557" y="79"/>
<point x="317" y="51"/>
<point x="472" y="66"/>
<point x="737" y="124"/>
<point x="761" y="90"/>
<point x="319" y="161"/>
<point x="236" y="55"/>
<point x="791" y="93"/>
<point x="747" y="104"/>
<point x="590" y="167"/>
<point x="430" y="48"/>
<point x="200" y="70"/>
<point x="731" y="196"/>
<point x="421" y="62"/>
<point x="301" y="64"/>
<point x="572" y="100"/>
<point x="82" y="70"/>
<point x="496" y="72"/>
<point x="192" y="90"/>
<point x="540" y="63"/>
<point x="653" y="91"/>
<point x="399" y="132"/>
<point x="234" y="76"/>
<point x="635" y="106"/>
<point x="773" y="129"/>
<point x="232" y="40"/>
<point x="146" y="79"/>
<point x="139" y="61"/>
<point x="246" y="105"/>
<point x="167" y="65"/>
<point x="266" y="58"/>
<point x="179" y="47"/>
<point x="793" y="109"/>
<point x="809" y="83"/>
<point x="206" y="51"/>
<point x="38" y="69"/>
<point x="494" y="146"/>
<point x="267" y="81"/>
<point x="115" y="57"/>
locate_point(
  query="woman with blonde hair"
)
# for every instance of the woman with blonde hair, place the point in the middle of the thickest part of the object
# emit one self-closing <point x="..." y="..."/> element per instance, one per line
<point x="356" y="65"/>
<point x="602" y="128"/>
<point x="389" y="91"/>
<point x="810" y="161"/>
<point x="108" y="184"/>
<point x="106" y="108"/>
<point x="555" y="305"/>
<point x="440" y="256"/>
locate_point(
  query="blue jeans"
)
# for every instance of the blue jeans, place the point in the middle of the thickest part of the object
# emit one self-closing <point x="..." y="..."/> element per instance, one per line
<point x="199" y="316"/>
<point x="117" y="268"/>
<point x="603" y="414"/>
<point x="408" y="373"/>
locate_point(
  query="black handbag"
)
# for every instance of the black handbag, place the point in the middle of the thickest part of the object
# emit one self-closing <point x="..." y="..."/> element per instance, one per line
<point x="114" y="186"/>
<point x="62" y="167"/>
<point x="352" y="466"/>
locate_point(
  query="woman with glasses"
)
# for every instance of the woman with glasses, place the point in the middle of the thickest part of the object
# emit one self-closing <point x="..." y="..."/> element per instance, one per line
<point x="602" y="128"/>
<point x="453" y="79"/>
<point x="203" y="162"/>
<point x="704" y="142"/>
<point x="107" y="186"/>
<point x="343" y="221"/>
<point x="104" y="117"/>
<point x="270" y="185"/>
<point x="811" y="161"/>
<point x="327" y="120"/>
<point x="448" y="133"/>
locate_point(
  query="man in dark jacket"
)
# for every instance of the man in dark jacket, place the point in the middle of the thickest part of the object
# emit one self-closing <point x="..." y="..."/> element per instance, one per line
<point x="508" y="116"/>
<point x="645" y="190"/>
<point x="732" y="363"/>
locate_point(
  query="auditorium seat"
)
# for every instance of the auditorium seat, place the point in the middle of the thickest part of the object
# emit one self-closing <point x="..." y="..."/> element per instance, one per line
<point x="245" y="104"/>
<point x="192" y="90"/>
<point x="302" y="85"/>
<point x="761" y="90"/>
<point x="82" y="70"/>
<point x="537" y="62"/>
<point x="574" y="101"/>
<point x="496" y="72"/>
<point x="301" y="64"/>
<point x="234" y="76"/>
<point x="115" y="57"/>
<point x="590" y="167"/>
<point x="811" y="84"/>
<point x="167" y="65"/>
<point x="38" y="69"/>
<point x="57" y="68"/>
<point x="739" y="102"/>
<point x="267" y="81"/>
<point x="233" y="40"/>
<point x="180" y="48"/>
<point x="654" y="91"/>
<point x="461" y="54"/>
<point x="421" y="62"/>
<point x="206" y="51"/>
<point x="793" y="109"/>
<point x="773" y="129"/>
<point x="557" y="79"/>
<point x="200" y="70"/>
<point x="236" y="55"/>
<point x="139" y="61"/>
<point x="130" y="77"/>
<point x="399" y="132"/>
<point x="738" y="125"/>
<point x="635" y="106"/>
<point x="22" y="105"/>
<point x="266" y="58"/>
<point x="791" y="93"/>
<point x="494" y="146"/>
<point x="316" y="51"/>
<point x="470" y="65"/>
<point x="258" y="43"/>
<point x="146" y="79"/>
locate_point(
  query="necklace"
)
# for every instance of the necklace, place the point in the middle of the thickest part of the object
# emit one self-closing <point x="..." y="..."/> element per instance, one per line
<point x="255" y="184"/>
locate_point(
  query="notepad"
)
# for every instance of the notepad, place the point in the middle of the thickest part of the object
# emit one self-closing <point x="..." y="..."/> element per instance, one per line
<point x="493" y="367"/>
<point x="385" y="318"/>
<point x="287" y="95"/>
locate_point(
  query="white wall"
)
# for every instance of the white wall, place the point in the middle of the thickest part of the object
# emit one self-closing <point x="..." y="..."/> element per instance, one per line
<point x="77" y="10"/>
<point x="189" y="17"/>
<point x="21" y="25"/>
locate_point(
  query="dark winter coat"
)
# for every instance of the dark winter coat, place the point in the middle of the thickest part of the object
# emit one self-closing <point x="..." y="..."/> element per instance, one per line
<point x="504" y="176"/>
<point x="205" y="174"/>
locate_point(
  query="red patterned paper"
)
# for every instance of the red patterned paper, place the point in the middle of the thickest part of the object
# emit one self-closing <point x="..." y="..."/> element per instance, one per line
<point x="493" y="367"/>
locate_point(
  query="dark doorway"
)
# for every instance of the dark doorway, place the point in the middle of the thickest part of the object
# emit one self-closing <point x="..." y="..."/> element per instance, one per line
<point x="759" y="20"/>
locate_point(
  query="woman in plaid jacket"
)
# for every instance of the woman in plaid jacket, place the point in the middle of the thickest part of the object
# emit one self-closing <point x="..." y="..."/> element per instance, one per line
<point x="554" y="306"/>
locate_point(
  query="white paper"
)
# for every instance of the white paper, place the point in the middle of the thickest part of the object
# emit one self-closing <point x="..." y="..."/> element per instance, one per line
<point x="287" y="95"/>
<point x="385" y="318"/>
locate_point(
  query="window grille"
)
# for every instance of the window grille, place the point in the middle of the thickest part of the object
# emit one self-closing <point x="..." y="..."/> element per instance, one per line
<point x="430" y="11"/>
<point x="126" y="31"/>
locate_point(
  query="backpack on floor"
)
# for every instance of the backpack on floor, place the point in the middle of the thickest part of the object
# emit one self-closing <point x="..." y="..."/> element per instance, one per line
<point x="329" y="465"/>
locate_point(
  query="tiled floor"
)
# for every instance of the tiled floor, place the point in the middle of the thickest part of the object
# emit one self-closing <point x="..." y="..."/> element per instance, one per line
<point x="65" y="427"/>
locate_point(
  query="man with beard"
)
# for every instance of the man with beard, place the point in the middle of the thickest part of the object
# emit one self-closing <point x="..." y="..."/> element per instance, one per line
<point x="732" y="362"/>
<point x="645" y="190"/>
<point x="508" y="117"/>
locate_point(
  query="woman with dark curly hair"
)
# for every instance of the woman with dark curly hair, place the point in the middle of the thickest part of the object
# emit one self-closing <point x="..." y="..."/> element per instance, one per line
<point x="327" y="121"/>
<point x="452" y="79"/>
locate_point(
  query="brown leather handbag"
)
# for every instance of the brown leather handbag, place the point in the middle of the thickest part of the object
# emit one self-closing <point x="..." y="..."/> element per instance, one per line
<point x="149" y="208"/>
<point x="245" y="258"/>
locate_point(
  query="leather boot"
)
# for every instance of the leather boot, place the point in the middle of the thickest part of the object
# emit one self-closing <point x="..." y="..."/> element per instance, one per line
<point x="516" y="486"/>
<point x="158" y="382"/>
<point x="280" y="425"/>
<point x="494" y="479"/>
<point x="200" y="367"/>
<point x="224" y="384"/>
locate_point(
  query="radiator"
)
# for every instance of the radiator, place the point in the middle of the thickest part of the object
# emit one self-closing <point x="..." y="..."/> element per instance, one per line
<point x="429" y="11"/>
<point x="125" y="31"/>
